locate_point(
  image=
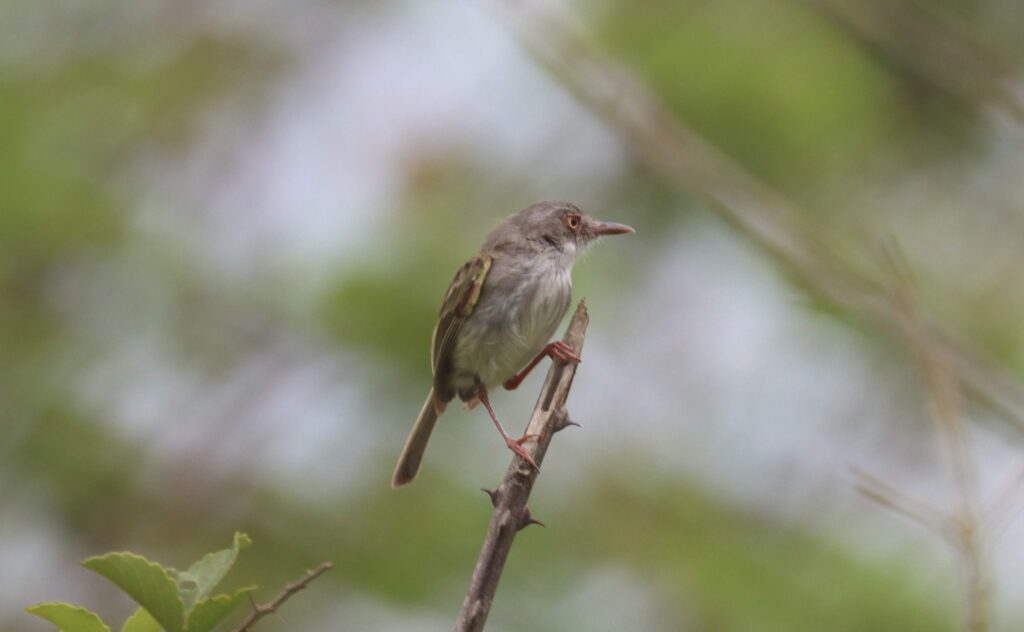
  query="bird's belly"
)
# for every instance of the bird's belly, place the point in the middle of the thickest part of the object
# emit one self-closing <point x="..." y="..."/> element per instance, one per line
<point x="501" y="337"/>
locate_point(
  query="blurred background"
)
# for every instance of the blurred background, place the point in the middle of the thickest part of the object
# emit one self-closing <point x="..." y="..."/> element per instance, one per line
<point x="226" y="228"/>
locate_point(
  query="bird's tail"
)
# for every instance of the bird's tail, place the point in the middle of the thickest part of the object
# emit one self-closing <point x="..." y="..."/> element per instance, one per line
<point x="412" y="453"/>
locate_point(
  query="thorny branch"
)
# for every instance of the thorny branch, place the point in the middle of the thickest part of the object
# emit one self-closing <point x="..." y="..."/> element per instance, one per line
<point x="509" y="499"/>
<point x="261" y="610"/>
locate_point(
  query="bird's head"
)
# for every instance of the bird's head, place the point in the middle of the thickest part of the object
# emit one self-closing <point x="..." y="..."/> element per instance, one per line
<point x="557" y="226"/>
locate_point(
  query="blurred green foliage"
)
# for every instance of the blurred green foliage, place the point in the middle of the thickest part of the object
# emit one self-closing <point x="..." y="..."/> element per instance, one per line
<point x="768" y="81"/>
<point x="780" y="88"/>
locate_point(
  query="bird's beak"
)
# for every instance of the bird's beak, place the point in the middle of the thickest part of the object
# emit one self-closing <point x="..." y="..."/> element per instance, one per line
<point x="610" y="228"/>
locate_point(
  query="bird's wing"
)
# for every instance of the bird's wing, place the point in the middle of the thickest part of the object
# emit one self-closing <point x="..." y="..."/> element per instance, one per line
<point x="462" y="295"/>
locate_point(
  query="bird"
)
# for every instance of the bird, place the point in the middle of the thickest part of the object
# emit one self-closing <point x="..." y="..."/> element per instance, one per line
<point x="498" y="315"/>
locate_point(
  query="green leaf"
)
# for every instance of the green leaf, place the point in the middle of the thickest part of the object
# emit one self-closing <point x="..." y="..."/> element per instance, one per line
<point x="69" y="618"/>
<point x="148" y="583"/>
<point x="188" y="587"/>
<point x="205" y="574"/>
<point x="208" y="613"/>
<point x="141" y="621"/>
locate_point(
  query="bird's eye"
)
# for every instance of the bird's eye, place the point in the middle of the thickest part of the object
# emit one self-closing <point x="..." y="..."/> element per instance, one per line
<point x="572" y="221"/>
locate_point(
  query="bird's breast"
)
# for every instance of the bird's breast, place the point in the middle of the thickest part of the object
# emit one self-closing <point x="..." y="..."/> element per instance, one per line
<point x="512" y="323"/>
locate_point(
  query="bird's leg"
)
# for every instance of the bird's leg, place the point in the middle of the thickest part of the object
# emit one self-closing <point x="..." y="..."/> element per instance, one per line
<point x="556" y="350"/>
<point x="516" y="445"/>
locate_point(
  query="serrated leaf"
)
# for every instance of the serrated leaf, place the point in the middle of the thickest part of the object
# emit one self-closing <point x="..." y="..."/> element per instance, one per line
<point x="208" y="613"/>
<point x="148" y="583"/>
<point x="209" y="571"/>
<point x="69" y="618"/>
<point x="141" y="621"/>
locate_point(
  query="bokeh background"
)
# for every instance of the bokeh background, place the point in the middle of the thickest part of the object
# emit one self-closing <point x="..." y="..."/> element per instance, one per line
<point x="226" y="228"/>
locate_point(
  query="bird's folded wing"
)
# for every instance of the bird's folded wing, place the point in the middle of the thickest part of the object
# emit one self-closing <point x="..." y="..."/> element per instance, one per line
<point x="462" y="296"/>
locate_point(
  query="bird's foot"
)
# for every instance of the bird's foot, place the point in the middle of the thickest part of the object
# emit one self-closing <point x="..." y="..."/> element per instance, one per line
<point x="556" y="350"/>
<point x="516" y="445"/>
<point x="561" y="351"/>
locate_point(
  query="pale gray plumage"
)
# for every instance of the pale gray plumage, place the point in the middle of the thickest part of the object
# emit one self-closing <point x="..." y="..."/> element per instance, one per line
<point x="524" y="297"/>
<point x="501" y="309"/>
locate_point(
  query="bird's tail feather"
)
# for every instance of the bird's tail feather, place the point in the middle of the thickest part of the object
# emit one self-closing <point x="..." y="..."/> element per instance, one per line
<point x="416" y="444"/>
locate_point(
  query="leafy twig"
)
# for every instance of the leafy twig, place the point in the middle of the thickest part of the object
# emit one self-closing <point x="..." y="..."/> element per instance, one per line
<point x="509" y="499"/>
<point x="261" y="610"/>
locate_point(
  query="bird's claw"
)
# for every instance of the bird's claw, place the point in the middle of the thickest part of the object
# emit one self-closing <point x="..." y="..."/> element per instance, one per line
<point x="516" y="445"/>
<point x="562" y="352"/>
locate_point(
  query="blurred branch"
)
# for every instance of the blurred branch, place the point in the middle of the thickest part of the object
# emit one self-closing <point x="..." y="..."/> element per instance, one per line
<point x="881" y="492"/>
<point x="1005" y="506"/>
<point x="943" y="390"/>
<point x="963" y="527"/>
<point x="261" y="610"/>
<point x="925" y="43"/>
<point x="509" y="499"/>
<point x="692" y="165"/>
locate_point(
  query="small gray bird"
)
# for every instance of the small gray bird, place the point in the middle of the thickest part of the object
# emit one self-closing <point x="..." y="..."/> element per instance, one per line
<point x="500" y="310"/>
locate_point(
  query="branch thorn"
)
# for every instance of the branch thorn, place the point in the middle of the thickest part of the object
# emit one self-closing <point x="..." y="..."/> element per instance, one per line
<point x="563" y="421"/>
<point x="492" y="494"/>
<point x="528" y="519"/>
